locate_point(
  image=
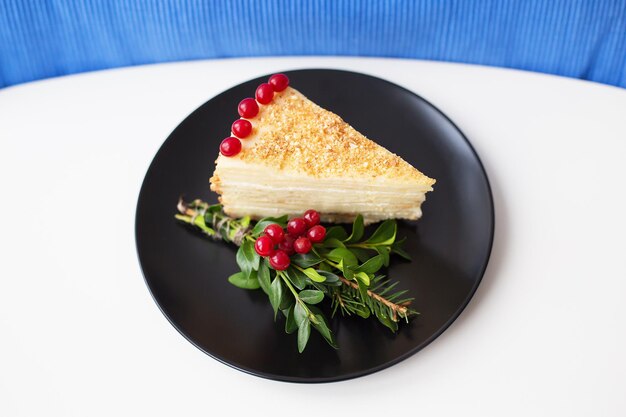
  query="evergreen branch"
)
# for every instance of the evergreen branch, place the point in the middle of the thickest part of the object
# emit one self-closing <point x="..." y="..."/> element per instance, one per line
<point x="342" y="268"/>
<point x="397" y="310"/>
<point x="233" y="230"/>
<point x="223" y="227"/>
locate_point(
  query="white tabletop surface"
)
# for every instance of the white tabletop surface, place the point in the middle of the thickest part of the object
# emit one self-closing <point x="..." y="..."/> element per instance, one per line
<point x="80" y="334"/>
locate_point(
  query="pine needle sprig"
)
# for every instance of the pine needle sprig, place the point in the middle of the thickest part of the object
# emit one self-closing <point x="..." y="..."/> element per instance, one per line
<point x="387" y="306"/>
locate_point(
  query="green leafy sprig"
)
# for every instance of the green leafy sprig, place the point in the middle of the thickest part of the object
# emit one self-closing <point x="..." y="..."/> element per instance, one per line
<point x="343" y="268"/>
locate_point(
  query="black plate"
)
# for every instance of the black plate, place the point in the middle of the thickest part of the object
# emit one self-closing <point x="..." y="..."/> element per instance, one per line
<point x="450" y="245"/>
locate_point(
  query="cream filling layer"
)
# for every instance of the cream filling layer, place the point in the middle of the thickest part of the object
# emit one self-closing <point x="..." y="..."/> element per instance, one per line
<point x="261" y="191"/>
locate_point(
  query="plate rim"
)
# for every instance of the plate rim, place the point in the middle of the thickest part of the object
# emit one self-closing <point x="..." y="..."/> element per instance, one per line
<point x="356" y="374"/>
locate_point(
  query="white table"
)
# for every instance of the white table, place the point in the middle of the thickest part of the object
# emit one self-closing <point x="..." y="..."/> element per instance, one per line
<point x="80" y="334"/>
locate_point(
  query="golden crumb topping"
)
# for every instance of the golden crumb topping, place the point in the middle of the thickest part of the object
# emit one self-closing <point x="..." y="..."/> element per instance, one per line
<point x="293" y="133"/>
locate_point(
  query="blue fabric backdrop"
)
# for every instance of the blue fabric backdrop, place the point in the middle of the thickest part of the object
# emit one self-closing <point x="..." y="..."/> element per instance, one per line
<point x="583" y="39"/>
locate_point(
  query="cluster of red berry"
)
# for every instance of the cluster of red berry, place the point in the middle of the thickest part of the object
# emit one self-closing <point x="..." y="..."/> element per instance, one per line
<point x="249" y="108"/>
<point x="302" y="232"/>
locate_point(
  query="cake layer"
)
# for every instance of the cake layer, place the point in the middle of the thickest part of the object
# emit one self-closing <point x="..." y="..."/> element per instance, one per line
<point x="259" y="191"/>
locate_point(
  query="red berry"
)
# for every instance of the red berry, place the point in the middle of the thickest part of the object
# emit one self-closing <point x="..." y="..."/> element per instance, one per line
<point x="279" y="260"/>
<point x="248" y="108"/>
<point x="316" y="233"/>
<point x="264" y="246"/>
<point x="241" y="128"/>
<point x="279" y="82"/>
<point x="311" y="217"/>
<point x="302" y="245"/>
<point x="264" y="93"/>
<point x="296" y="226"/>
<point x="230" y="146"/>
<point x="275" y="232"/>
<point x="287" y="245"/>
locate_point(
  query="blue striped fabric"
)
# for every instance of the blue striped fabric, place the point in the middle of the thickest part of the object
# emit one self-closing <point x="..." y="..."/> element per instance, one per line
<point x="582" y="39"/>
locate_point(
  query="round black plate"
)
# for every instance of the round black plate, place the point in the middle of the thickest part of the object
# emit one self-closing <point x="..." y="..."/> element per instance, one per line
<point x="450" y="245"/>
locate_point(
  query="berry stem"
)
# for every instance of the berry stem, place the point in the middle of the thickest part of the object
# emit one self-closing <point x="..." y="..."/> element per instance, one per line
<point x="288" y="283"/>
<point x="220" y="226"/>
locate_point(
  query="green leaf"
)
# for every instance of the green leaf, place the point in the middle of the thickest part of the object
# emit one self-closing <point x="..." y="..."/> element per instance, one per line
<point x="263" y="223"/>
<point x="314" y="275"/>
<point x="207" y="218"/>
<point x="357" y="230"/>
<point x="384" y="252"/>
<point x="331" y="279"/>
<point x="242" y="280"/>
<point x="320" y="286"/>
<point x="297" y="278"/>
<point x="247" y="258"/>
<point x="290" y="322"/>
<point x="324" y="267"/>
<point x="343" y="255"/>
<point x="287" y="301"/>
<point x="304" y="331"/>
<point x="198" y="221"/>
<point x="316" y="311"/>
<point x="333" y="242"/>
<point x="336" y="232"/>
<point x="306" y="260"/>
<point x="363" y="277"/>
<point x="256" y="260"/>
<point x="385" y="234"/>
<point x="244" y="221"/>
<point x="321" y="326"/>
<point x="373" y="265"/>
<point x="264" y="277"/>
<point x="396" y="247"/>
<point x="300" y="314"/>
<point x="311" y="296"/>
<point x="401" y="253"/>
<point x="362" y="287"/>
<point x="276" y="294"/>
<point x="362" y="254"/>
<point x="348" y="272"/>
<point x="214" y="208"/>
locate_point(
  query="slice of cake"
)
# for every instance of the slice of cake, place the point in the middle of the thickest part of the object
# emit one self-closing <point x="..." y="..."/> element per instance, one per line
<point x="286" y="155"/>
